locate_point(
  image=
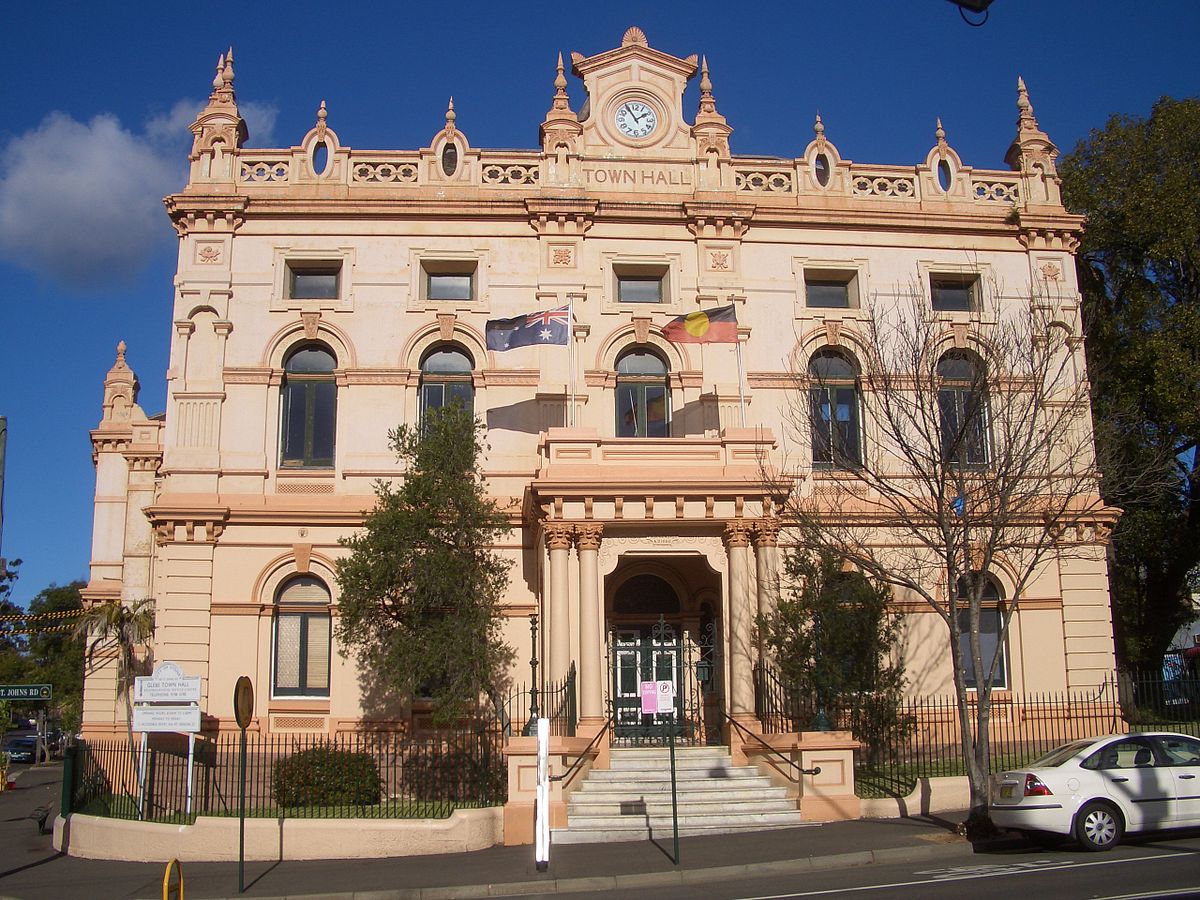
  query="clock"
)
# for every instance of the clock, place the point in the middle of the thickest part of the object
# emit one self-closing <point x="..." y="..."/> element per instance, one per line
<point x="636" y="119"/>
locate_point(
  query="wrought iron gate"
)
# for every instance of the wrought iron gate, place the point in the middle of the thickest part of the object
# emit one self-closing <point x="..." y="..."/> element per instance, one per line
<point x="661" y="653"/>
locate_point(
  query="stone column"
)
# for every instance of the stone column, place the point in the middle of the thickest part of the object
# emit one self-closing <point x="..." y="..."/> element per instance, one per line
<point x="741" y="625"/>
<point x="591" y="647"/>
<point x="766" y="561"/>
<point x="556" y="614"/>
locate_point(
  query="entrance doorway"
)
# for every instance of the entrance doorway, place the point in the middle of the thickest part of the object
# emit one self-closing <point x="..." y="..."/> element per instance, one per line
<point x="657" y="639"/>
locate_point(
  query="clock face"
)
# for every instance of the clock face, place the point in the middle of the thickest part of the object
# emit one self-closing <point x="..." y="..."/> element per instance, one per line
<point x="636" y="119"/>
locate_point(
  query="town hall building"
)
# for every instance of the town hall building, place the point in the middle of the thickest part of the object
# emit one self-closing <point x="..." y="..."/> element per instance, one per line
<point x="326" y="294"/>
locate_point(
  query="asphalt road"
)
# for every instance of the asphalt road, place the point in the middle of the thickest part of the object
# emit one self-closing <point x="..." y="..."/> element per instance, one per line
<point x="1157" y="868"/>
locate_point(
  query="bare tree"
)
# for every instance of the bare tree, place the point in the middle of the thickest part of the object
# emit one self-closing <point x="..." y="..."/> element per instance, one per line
<point x="974" y="456"/>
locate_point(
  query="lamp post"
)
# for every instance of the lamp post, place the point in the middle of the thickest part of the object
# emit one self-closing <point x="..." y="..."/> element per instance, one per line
<point x="531" y="726"/>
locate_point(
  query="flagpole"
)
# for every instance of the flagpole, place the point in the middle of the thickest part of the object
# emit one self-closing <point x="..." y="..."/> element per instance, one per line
<point x="571" y="353"/>
<point x="741" y="382"/>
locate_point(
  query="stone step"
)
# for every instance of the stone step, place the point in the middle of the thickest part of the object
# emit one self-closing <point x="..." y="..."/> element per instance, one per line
<point x="709" y="775"/>
<point x="612" y="830"/>
<point x="738" y="787"/>
<point x="662" y="807"/>
<point x="632" y="799"/>
<point x="744" y="789"/>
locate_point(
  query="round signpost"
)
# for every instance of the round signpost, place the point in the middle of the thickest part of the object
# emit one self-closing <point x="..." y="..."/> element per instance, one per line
<point x="243" y="712"/>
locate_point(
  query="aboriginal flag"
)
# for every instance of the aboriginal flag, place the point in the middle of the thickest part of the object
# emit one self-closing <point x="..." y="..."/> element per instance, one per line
<point x="549" y="326"/>
<point x="704" y="326"/>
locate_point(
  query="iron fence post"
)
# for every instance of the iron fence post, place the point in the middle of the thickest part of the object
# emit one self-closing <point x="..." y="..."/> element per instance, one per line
<point x="68" y="782"/>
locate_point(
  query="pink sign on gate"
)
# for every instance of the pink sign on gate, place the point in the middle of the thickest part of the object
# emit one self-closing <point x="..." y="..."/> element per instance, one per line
<point x="649" y="697"/>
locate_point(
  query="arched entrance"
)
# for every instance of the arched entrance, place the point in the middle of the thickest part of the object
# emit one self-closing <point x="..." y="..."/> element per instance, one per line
<point x="664" y="630"/>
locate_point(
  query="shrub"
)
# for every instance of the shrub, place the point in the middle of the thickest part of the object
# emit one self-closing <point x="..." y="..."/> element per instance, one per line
<point x="327" y="776"/>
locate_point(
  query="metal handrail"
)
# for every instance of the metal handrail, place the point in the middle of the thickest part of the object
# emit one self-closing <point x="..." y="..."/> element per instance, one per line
<point x="579" y="759"/>
<point x="815" y="770"/>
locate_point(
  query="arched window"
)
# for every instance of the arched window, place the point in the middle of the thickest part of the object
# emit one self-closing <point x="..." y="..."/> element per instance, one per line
<point x="309" y="407"/>
<point x="962" y="409"/>
<point x="302" y="638"/>
<point x="834" y="410"/>
<point x="990" y="646"/>
<point x="446" y="379"/>
<point x="643" y="399"/>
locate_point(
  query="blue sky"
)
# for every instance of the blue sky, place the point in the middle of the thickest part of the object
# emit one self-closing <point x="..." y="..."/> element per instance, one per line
<point x="98" y="96"/>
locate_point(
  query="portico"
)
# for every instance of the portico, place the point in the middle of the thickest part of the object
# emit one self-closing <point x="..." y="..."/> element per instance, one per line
<point x="631" y="537"/>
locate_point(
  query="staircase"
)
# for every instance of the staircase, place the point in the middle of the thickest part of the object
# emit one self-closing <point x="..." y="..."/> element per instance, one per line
<point x="632" y="800"/>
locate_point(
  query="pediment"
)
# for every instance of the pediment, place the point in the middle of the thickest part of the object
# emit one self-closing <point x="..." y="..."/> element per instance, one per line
<point x="634" y="103"/>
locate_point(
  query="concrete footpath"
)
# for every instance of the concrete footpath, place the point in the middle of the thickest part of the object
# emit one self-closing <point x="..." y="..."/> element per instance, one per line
<point x="31" y="870"/>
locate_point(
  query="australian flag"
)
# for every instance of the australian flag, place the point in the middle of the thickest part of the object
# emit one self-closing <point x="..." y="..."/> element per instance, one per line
<point x="547" y="327"/>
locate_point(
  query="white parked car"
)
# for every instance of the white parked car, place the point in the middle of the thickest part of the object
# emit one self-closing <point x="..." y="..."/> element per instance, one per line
<point x="1098" y="789"/>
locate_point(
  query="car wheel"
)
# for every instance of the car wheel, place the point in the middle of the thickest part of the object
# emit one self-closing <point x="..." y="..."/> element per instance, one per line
<point x="1098" y="826"/>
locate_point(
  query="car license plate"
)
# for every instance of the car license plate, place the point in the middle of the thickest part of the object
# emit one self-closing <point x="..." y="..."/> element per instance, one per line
<point x="1007" y="791"/>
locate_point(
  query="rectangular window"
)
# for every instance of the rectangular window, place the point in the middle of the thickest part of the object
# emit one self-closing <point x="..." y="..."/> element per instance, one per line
<point x="449" y="280"/>
<point x="309" y="421"/>
<point x="990" y="647"/>
<point x="954" y="293"/>
<point x="835" y="432"/>
<point x="639" y="288"/>
<point x="450" y="286"/>
<point x="436" y="394"/>
<point x="319" y="281"/>
<point x="302" y="654"/>
<point x="830" y="289"/>
<point x="963" y="419"/>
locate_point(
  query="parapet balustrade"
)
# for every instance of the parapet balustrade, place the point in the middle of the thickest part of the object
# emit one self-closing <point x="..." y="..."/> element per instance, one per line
<point x="768" y="180"/>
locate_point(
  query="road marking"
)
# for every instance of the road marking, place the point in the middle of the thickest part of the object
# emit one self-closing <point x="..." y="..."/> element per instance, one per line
<point x="971" y="873"/>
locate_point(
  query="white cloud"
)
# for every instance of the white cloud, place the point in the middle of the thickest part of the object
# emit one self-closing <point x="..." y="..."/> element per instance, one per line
<point x="260" y="122"/>
<point x="81" y="202"/>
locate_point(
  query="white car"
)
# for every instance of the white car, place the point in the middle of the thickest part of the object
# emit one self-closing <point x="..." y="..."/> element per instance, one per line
<point x="1098" y="789"/>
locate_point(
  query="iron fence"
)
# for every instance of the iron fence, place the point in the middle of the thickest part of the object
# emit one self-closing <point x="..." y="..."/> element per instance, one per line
<point x="359" y="775"/>
<point x="1021" y="727"/>
<point x="557" y="702"/>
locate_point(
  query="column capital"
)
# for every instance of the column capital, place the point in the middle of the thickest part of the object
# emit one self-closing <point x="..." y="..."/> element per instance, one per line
<point x="588" y="535"/>
<point x="558" y="535"/>
<point x="766" y="532"/>
<point x="737" y="533"/>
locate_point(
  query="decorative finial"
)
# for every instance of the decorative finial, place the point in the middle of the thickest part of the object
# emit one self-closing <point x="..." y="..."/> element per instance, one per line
<point x="1024" y="106"/>
<point x="322" y="115"/>
<point x="940" y="132"/>
<point x="227" y="75"/>
<point x="635" y="36"/>
<point x="120" y="352"/>
<point x="218" y="79"/>
<point x="819" y="127"/>
<point x="561" y="101"/>
<point x="451" y="115"/>
<point x="708" y="106"/>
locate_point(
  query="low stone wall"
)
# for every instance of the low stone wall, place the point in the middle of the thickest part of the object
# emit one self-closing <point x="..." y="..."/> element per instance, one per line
<point x="216" y="838"/>
<point x="931" y="795"/>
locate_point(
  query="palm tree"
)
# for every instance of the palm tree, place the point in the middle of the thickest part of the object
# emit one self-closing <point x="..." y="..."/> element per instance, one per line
<point x="128" y="627"/>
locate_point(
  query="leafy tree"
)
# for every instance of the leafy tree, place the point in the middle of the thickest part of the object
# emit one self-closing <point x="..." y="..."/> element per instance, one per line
<point x="979" y="459"/>
<point x="125" y="629"/>
<point x="57" y="656"/>
<point x="8" y="578"/>
<point x="832" y="638"/>
<point x="1138" y="181"/>
<point x="421" y="588"/>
